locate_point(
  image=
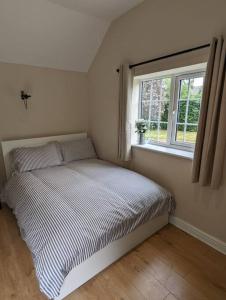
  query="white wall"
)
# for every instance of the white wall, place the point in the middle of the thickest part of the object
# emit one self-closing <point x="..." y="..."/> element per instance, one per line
<point x="58" y="104"/>
<point x="155" y="28"/>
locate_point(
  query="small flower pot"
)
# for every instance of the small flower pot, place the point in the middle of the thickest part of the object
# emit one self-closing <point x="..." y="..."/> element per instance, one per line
<point x="141" y="140"/>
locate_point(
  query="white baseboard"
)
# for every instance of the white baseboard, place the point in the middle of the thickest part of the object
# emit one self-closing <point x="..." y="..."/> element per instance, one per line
<point x="199" y="234"/>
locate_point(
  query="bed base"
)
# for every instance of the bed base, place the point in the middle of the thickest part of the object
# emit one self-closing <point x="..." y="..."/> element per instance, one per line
<point x="111" y="253"/>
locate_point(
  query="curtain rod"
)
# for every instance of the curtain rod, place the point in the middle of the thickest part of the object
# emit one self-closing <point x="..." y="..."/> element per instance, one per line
<point x="167" y="56"/>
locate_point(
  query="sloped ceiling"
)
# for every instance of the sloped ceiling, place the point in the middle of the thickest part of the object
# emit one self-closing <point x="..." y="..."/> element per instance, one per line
<point x="105" y="9"/>
<point x="62" y="34"/>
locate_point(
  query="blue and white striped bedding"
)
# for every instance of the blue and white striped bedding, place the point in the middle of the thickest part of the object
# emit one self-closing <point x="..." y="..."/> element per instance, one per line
<point x="67" y="213"/>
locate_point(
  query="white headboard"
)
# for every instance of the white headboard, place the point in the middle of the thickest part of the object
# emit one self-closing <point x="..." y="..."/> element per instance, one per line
<point x="7" y="146"/>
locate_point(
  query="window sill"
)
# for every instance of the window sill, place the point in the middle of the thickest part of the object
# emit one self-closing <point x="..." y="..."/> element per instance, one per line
<point x="166" y="150"/>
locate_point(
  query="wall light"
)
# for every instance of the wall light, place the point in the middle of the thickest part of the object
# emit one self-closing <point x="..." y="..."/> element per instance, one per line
<point x="24" y="97"/>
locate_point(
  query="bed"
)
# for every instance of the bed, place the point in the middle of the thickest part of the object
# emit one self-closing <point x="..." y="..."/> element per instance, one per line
<point x="80" y="217"/>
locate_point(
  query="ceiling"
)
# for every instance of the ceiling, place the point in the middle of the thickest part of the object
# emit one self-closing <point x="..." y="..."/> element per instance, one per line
<point x="105" y="9"/>
<point x="61" y="34"/>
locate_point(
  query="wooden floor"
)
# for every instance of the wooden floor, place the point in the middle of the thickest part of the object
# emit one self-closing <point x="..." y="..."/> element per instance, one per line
<point x="170" y="265"/>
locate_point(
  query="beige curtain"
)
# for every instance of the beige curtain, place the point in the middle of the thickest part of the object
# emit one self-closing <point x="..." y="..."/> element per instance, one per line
<point x="125" y="102"/>
<point x="211" y="137"/>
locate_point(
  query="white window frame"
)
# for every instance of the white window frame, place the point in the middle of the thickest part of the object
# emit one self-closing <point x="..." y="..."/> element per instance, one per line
<point x="172" y="116"/>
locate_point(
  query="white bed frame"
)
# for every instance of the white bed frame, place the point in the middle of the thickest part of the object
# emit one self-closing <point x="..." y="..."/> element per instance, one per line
<point x="105" y="257"/>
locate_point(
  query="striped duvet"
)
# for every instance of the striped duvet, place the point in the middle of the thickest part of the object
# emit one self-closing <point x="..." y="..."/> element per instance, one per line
<point x="67" y="213"/>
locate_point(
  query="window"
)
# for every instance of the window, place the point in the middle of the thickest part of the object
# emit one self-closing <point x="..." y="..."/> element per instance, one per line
<point x="170" y="103"/>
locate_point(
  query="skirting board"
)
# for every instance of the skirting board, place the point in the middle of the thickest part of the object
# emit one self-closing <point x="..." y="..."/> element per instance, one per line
<point x="199" y="234"/>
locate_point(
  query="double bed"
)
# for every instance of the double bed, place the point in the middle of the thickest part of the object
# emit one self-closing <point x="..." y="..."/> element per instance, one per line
<point x="79" y="217"/>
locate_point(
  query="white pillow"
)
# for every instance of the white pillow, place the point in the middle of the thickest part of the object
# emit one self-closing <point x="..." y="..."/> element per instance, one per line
<point x="77" y="150"/>
<point x="31" y="158"/>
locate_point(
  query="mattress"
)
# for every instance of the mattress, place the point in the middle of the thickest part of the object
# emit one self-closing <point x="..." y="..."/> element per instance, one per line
<point x="67" y="213"/>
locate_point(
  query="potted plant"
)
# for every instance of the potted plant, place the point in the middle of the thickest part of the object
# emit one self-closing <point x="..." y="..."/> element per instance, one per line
<point x="141" y="128"/>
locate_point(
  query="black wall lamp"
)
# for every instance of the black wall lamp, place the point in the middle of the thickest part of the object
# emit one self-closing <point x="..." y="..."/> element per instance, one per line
<point x="24" y="97"/>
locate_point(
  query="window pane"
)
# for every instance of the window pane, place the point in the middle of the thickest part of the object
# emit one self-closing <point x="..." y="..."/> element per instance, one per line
<point x="188" y="108"/>
<point x="163" y="132"/>
<point x="181" y="111"/>
<point x="166" y="84"/>
<point x="154" y="107"/>
<point x="154" y="113"/>
<point x="146" y="89"/>
<point x="193" y="112"/>
<point x="164" y="111"/>
<point x="153" y="126"/>
<point x="180" y="133"/>
<point x="145" y="107"/>
<point x="152" y="132"/>
<point x="159" y="89"/>
<point x="191" y="133"/>
<point x="156" y="90"/>
<point x="157" y="132"/>
<point x="196" y="87"/>
<point x="184" y="87"/>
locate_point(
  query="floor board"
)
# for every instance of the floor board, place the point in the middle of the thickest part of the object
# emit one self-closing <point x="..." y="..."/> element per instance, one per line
<point x="170" y="265"/>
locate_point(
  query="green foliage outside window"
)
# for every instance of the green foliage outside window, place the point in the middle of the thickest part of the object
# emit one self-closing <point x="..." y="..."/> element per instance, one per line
<point x="193" y="108"/>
